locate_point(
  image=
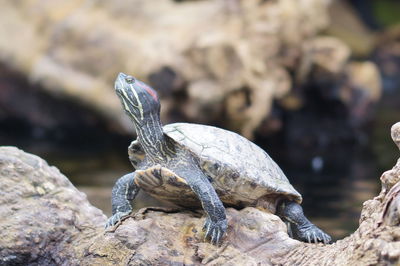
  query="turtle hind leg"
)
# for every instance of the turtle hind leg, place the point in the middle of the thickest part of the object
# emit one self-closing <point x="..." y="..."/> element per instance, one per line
<point x="124" y="191"/>
<point x="301" y="228"/>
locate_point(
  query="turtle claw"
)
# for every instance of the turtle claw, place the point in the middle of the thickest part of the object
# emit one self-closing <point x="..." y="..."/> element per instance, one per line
<point x="327" y="239"/>
<point x="206" y="226"/>
<point x="215" y="230"/>
<point x="312" y="234"/>
<point x="215" y="237"/>
<point x="314" y="237"/>
<point x="308" y="237"/>
<point x="116" y="218"/>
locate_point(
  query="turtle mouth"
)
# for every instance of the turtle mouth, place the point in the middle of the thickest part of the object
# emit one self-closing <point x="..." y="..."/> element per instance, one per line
<point x="119" y="83"/>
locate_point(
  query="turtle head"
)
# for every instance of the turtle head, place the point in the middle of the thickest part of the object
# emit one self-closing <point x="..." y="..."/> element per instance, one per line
<point x="137" y="98"/>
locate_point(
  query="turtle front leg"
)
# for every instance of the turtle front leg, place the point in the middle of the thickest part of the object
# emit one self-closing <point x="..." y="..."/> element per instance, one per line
<point x="123" y="192"/>
<point x="298" y="225"/>
<point x="216" y="224"/>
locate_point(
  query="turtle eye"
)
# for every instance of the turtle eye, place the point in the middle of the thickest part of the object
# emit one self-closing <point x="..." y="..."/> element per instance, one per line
<point x="130" y="79"/>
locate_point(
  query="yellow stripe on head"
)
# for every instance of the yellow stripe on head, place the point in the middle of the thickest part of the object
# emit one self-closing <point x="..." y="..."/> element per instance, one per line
<point x="137" y="99"/>
<point x="127" y="101"/>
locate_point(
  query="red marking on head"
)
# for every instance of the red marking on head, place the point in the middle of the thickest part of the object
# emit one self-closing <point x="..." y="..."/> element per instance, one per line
<point x="151" y="92"/>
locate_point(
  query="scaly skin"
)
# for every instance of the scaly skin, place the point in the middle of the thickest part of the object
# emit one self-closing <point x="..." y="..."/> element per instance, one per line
<point x="216" y="224"/>
<point x="124" y="191"/>
<point x="141" y="104"/>
<point x="302" y="229"/>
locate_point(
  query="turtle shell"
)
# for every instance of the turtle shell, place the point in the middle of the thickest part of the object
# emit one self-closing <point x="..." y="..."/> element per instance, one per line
<point x="240" y="171"/>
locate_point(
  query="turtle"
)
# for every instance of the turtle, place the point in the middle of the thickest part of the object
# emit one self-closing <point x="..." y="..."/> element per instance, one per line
<point x="193" y="165"/>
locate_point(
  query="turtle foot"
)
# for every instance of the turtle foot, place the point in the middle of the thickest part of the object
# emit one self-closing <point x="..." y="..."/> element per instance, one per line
<point x="215" y="230"/>
<point x="299" y="226"/>
<point x="116" y="218"/>
<point x="311" y="234"/>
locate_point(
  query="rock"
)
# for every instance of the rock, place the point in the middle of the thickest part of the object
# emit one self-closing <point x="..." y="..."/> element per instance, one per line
<point x="395" y="133"/>
<point x="47" y="221"/>
<point x="161" y="236"/>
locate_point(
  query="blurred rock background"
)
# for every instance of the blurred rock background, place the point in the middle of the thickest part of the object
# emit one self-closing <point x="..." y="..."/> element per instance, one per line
<point x="315" y="83"/>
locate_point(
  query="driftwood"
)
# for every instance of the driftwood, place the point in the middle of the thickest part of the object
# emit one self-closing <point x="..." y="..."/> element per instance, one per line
<point x="211" y="60"/>
<point x="47" y="221"/>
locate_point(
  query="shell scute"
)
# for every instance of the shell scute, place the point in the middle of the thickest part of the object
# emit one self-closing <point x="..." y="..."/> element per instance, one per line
<point x="235" y="164"/>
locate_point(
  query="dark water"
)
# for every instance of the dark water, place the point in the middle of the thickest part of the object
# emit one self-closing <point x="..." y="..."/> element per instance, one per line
<point x="334" y="195"/>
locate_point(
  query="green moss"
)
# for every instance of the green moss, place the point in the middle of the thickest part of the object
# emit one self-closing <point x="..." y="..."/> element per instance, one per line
<point x="387" y="12"/>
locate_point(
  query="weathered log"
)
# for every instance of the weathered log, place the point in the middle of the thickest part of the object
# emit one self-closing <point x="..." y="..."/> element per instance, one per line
<point x="227" y="60"/>
<point x="45" y="220"/>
